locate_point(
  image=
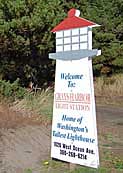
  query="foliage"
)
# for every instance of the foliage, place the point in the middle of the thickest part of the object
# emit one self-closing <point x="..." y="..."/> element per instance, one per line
<point x="26" y="40"/>
<point x="40" y="102"/>
<point x="28" y="170"/>
<point x="108" y="37"/>
<point x="90" y="170"/>
<point x="109" y="86"/>
<point x="109" y="90"/>
<point x="59" y="167"/>
<point x="13" y="91"/>
<point x="118" y="163"/>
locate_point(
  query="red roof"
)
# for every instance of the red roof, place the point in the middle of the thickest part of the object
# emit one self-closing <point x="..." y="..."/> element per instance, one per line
<point x="73" y="21"/>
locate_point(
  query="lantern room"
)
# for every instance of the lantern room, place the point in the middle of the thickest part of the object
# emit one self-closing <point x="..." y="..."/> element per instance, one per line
<point x="73" y="32"/>
<point x="74" y="39"/>
<point x="74" y="35"/>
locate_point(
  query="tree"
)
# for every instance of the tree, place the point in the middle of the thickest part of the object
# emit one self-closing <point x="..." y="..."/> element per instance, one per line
<point x="26" y="40"/>
<point x="109" y="36"/>
<point x="25" y="37"/>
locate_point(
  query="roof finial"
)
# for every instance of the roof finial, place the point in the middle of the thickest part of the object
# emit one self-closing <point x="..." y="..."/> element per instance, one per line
<point x="73" y="12"/>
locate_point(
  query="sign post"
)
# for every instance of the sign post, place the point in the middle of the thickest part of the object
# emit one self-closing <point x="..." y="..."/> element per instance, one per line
<point x="74" y="132"/>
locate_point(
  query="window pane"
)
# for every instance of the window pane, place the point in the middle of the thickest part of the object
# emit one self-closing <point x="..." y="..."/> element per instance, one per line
<point x="75" y="47"/>
<point x="67" y="33"/>
<point x="67" y="40"/>
<point x="75" y="31"/>
<point x="83" y="30"/>
<point x="59" y="48"/>
<point x="59" y="41"/>
<point x="67" y="47"/>
<point x="75" y="39"/>
<point x="83" y="38"/>
<point x="59" y="34"/>
<point x="83" y="46"/>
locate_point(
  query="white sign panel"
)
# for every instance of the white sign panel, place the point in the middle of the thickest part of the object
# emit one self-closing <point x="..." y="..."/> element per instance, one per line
<point x="74" y="132"/>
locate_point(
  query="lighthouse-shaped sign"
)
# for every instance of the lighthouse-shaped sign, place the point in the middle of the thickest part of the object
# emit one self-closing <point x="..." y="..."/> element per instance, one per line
<point x="74" y="132"/>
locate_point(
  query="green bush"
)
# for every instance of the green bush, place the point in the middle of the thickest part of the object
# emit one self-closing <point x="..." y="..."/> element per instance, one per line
<point x="11" y="90"/>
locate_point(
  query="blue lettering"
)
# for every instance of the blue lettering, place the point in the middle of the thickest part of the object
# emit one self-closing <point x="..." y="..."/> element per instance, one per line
<point x="65" y="118"/>
<point x="71" y="84"/>
<point x="58" y="134"/>
<point x="69" y="76"/>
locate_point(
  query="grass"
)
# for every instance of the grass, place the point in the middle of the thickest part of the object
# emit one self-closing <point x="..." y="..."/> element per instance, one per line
<point x="90" y="170"/>
<point x="109" y="90"/>
<point x="40" y="103"/>
<point x="109" y="86"/>
<point x="53" y="166"/>
<point x="115" y="162"/>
